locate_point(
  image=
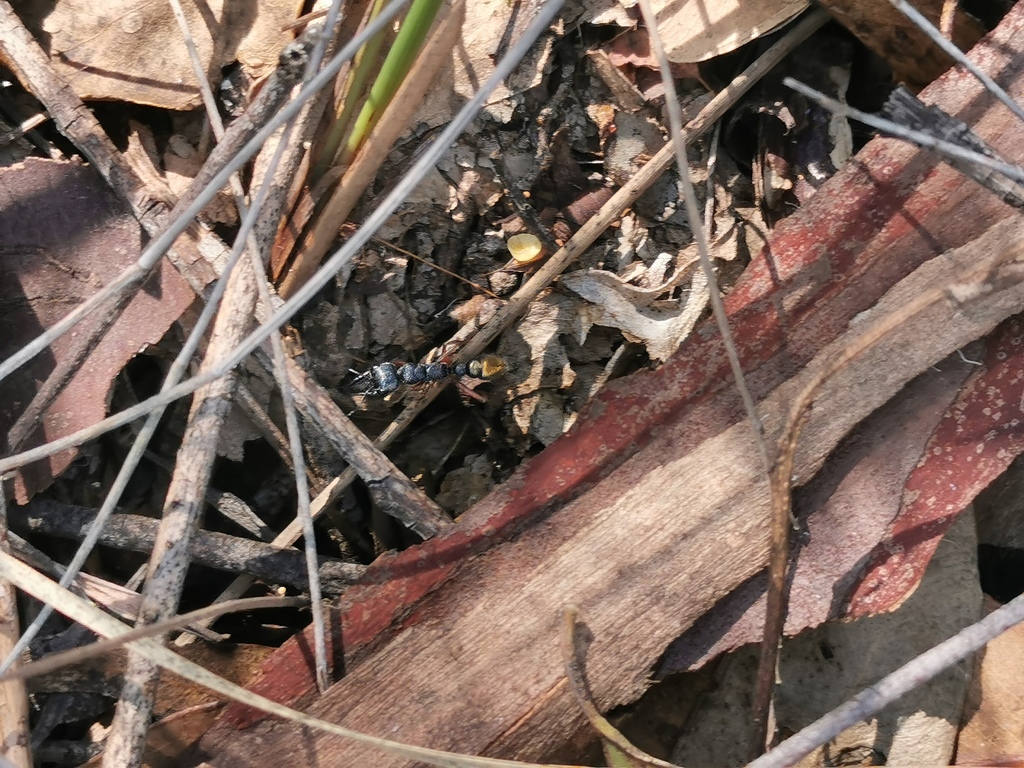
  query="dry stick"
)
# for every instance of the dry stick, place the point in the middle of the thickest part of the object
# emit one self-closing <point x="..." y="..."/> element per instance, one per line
<point x="170" y="558"/>
<point x="229" y="505"/>
<point x="679" y="139"/>
<point x="56" y="661"/>
<point x="386" y="482"/>
<point x="135" y="533"/>
<point x="28" y="422"/>
<point x="256" y="251"/>
<point x="169" y="561"/>
<point x="361" y="172"/>
<point x="13" y="697"/>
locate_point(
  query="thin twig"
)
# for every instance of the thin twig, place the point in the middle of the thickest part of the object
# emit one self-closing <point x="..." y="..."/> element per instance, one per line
<point x="13" y="696"/>
<point x="938" y="146"/>
<point x="575" y="673"/>
<point x="438" y="267"/>
<point x="85" y="613"/>
<point x="679" y="139"/>
<point x="168" y="562"/>
<point x="56" y="661"/>
<point x="135" y="533"/>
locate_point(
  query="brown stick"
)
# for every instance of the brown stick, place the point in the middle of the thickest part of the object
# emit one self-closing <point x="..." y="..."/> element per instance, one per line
<point x="169" y="561"/>
<point x="135" y="533"/>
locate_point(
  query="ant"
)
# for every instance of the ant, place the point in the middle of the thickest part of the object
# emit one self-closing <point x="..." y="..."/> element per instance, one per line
<point x="383" y="379"/>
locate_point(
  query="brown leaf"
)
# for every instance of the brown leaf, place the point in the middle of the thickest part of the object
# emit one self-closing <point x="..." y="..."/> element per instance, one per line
<point x="977" y="439"/>
<point x="991" y="732"/>
<point x="135" y="52"/>
<point x="63" y="235"/>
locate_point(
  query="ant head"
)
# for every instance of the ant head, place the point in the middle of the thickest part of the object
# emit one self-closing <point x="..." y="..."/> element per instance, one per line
<point x="488" y="367"/>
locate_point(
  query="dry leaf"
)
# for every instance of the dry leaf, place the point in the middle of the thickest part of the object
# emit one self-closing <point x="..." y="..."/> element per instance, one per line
<point x="659" y="325"/>
<point x="539" y="368"/>
<point x="991" y="732"/>
<point x="134" y="51"/>
<point x="63" y="235"/>
<point x="695" y="31"/>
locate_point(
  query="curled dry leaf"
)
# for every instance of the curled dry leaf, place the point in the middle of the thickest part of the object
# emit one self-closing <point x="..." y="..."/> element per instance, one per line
<point x="130" y="51"/>
<point x="659" y="325"/>
<point x="63" y="235"/>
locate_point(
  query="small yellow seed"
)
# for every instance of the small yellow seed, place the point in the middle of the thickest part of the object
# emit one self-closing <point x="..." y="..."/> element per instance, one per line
<point x="525" y="248"/>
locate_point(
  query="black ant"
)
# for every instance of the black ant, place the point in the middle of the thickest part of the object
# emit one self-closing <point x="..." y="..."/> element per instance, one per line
<point x="383" y="379"/>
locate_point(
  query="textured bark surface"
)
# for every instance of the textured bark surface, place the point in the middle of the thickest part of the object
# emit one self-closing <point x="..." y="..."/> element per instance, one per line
<point x="654" y="507"/>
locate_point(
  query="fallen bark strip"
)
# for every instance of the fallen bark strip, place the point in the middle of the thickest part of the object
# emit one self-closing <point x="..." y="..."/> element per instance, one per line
<point x="891" y="210"/>
<point x="215" y="550"/>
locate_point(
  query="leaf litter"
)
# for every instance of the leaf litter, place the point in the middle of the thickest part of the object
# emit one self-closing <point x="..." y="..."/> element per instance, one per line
<point x="636" y="290"/>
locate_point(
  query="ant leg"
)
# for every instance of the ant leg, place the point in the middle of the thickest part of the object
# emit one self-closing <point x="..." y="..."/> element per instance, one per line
<point x="469" y="392"/>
